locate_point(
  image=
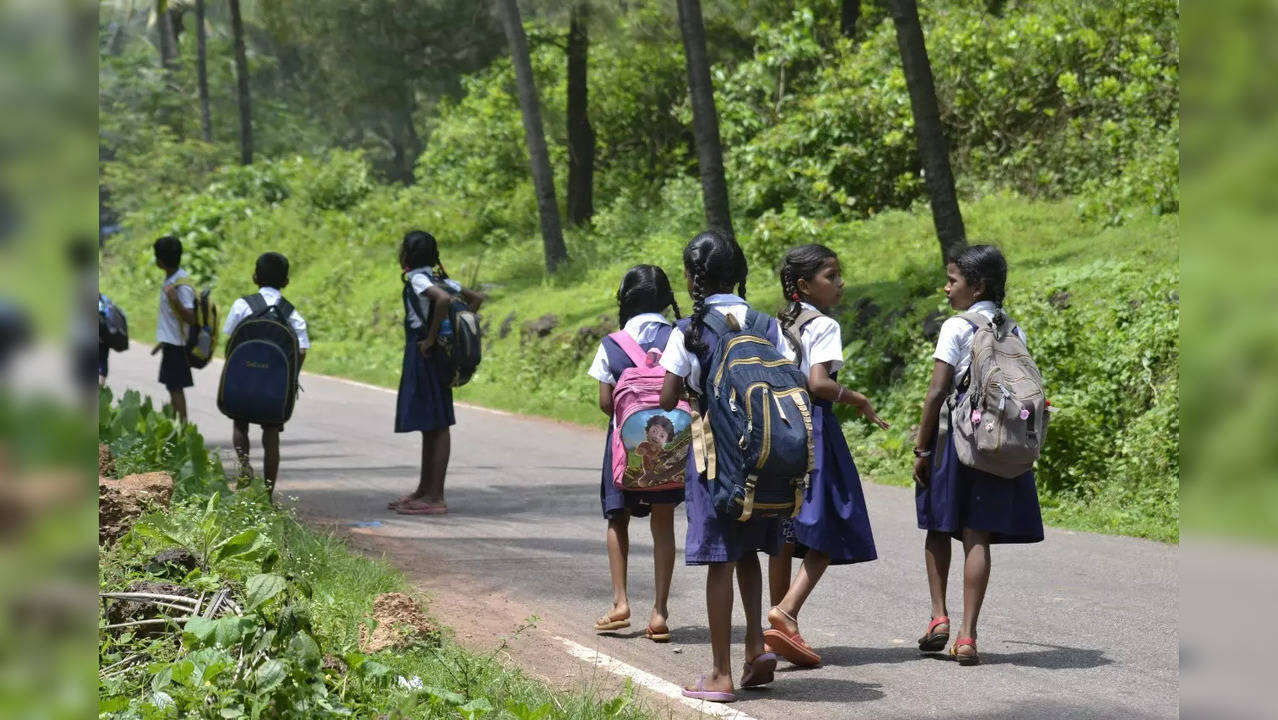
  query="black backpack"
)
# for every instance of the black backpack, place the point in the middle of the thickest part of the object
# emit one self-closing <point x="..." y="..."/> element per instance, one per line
<point x="459" y="334"/>
<point x="113" y="327"/>
<point x="259" y="379"/>
<point x="757" y="449"/>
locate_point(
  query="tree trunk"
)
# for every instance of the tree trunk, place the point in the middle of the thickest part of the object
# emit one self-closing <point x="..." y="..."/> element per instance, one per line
<point x="929" y="134"/>
<point x="534" y="135"/>
<point x="201" y="72"/>
<point x="847" y="20"/>
<point x="581" y="137"/>
<point x="164" y="27"/>
<point x="242" y="80"/>
<point x="705" y="121"/>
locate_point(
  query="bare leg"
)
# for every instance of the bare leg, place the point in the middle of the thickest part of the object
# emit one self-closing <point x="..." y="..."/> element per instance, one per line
<point x="177" y="398"/>
<point x="976" y="578"/>
<point x="240" y="441"/>
<point x="719" y="616"/>
<point x="661" y="522"/>
<point x="428" y="460"/>
<point x="936" y="553"/>
<point x="810" y="572"/>
<point x="750" y="582"/>
<point x="779" y="569"/>
<point x="442" y="441"/>
<point x="618" y="553"/>
<point x="271" y="461"/>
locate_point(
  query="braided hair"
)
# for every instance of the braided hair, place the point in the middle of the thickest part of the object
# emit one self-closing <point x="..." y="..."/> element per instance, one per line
<point x="644" y="289"/>
<point x="800" y="263"/>
<point x="715" y="264"/>
<point x="986" y="265"/>
<point x="420" y="249"/>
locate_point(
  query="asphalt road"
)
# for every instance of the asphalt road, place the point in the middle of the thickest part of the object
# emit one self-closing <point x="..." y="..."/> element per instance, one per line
<point x="1079" y="626"/>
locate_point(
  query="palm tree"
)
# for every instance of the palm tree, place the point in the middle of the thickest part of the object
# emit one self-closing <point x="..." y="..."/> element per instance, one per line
<point x="202" y="74"/>
<point x="705" y="120"/>
<point x="543" y="178"/>
<point x="242" y="80"/>
<point x="581" y="137"/>
<point x="929" y="134"/>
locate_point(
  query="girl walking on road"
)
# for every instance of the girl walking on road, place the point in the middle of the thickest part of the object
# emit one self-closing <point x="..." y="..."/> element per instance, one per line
<point x="954" y="501"/>
<point x="425" y="402"/>
<point x="715" y="267"/>
<point x="832" y="527"/>
<point x="643" y="296"/>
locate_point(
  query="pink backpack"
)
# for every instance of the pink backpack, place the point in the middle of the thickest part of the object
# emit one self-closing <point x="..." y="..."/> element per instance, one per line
<point x="649" y="445"/>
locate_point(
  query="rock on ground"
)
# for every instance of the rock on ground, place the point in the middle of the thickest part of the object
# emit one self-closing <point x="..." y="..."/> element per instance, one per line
<point x="121" y="501"/>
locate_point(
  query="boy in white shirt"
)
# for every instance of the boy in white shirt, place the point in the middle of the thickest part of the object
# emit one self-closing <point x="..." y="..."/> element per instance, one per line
<point x="176" y="316"/>
<point x="271" y="276"/>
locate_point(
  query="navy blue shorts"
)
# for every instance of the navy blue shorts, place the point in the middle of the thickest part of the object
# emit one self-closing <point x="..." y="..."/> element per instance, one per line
<point x="175" y="372"/>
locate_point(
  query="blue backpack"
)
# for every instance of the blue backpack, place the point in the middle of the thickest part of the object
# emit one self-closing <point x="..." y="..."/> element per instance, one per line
<point x="259" y="379"/>
<point x="756" y="448"/>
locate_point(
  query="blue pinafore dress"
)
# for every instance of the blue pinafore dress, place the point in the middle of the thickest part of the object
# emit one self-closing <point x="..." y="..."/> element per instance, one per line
<point x="713" y="539"/>
<point x="425" y="401"/>
<point x="613" y="499"/>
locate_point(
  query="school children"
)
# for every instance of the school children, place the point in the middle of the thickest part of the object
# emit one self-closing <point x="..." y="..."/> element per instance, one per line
<point x="714" y="267"/>
<point x="832" y="527"/>
<point x="954" y="501"/>
<point x="271" y="276"/>
<point x="425" y="402"/>
<point x="643" y="296"/>
<point x="177" y="312"/>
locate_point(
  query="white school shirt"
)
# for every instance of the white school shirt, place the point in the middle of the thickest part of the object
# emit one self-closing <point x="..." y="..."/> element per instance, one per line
<point x="680" y="361"/>
<point x="240" y="310"/>
<point x="954" y="345"/>
<point x="822" y="341"/>
<point x="423" y="278"/>
<point x="168" y="329"/>
<point x="642" y="328"/>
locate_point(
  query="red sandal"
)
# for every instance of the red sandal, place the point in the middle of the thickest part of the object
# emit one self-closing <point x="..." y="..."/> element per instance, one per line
<point x="965" y="660"/>
<point x="789" y="645"/>
<point x="935" y="641"/>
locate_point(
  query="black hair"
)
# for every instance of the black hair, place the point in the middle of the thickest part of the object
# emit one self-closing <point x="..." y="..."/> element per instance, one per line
<point x="419" y="249"/>
<point x="664" y="422"/>
<point x="986" y="265"/>
<point x="644" y="289"/>
<point x="800" y="263"/>
<point x="716" y="263"/>
<point x="271" y="270"/>
<point x="168" y="250"/>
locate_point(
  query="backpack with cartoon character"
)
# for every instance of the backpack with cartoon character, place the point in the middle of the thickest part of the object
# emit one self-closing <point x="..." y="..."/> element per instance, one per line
<point x="649" y="445"/>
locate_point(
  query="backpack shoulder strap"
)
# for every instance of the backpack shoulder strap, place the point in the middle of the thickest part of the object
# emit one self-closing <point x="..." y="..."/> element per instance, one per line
<point x="716" y="322"/>
<point x="286" y="308"/>
<point x="629" y="347"/>
<point x="662" y="338"/>
<point x="975" y="319"/>
<point x="256" y="303"/>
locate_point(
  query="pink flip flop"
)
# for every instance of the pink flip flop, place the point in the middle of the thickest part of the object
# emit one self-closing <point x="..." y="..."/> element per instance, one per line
<point x="420" y="508"/>
<point x="701" y="693"/>
<point x="395" y="504"/>
<point x="759" y="671"/>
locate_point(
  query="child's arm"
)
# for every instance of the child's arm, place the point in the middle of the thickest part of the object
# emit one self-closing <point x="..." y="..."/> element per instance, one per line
<point x="439" y="300"/>
<point x="473" y="299"/>
<point x="605" y="398"/>
<point x="821" y="385"/>
<point x="671" y="391"/>
<point x="185" y="313"/>
<point x="942" y="375"/>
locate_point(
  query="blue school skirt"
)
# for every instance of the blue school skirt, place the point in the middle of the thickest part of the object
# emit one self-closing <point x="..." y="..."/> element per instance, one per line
<point x="833" y="518"/>
<point x="712" y="539"/>
<point x="960" y="497"/>
<point x="425" y="401"/>
<point x="614" y="499"/>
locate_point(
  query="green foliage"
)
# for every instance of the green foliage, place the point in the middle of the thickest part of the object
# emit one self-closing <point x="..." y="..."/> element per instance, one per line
<point x="143" y="439"/>
<point x="339" y="183"/>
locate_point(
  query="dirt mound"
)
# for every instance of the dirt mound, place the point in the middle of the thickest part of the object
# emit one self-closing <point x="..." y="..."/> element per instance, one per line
<point x="106" y="463"/>
<point x="400" y="623"/>
<point x="121" y="501"/>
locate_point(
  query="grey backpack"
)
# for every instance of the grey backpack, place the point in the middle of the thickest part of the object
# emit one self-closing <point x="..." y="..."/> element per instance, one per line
<point x="1001" y="423"/>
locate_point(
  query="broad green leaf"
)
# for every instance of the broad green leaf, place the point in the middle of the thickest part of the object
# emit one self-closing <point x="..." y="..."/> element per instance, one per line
<point x="268" y="675"/>
<point x="262" y="587"/>
<point x="200" y="629"/>
<point x="476" y="708"/>
<point x="242" y="545"/>
<point x="303" y="647"/>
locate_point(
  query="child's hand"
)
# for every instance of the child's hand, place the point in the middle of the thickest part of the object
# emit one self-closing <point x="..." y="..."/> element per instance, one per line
<point x="863" y="406"/>
<point x="157" y="347"/>
<point x="922" y="470"/>
<point x="424" y="347"/>
<point x="171" y="291"/>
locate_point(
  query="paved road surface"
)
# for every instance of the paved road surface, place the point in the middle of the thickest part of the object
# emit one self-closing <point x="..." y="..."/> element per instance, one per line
<point x="1080" y="626"/>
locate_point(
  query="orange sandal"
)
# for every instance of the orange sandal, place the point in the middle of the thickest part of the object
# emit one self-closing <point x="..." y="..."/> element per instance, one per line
<point x="965" y="660"/>
<point x="789" y="645"/>
<point x="935" y="641"/>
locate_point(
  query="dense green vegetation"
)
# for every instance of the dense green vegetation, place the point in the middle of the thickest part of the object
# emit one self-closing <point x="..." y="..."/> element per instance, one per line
<point x="294" y="650"/>
<point x="1062" y="120"/>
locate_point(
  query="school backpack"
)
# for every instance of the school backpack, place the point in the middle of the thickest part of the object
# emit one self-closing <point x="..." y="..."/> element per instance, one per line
<point x="793" y="330"/>
<point x="202" y="335"/>
<point x="259" y="377"/>
<point x="458" y="337"/>
<point x="649" y="445"/>
<point x="755" y="443"/>
<point x="113" y="327"/>
<point x="1001" y="422"/>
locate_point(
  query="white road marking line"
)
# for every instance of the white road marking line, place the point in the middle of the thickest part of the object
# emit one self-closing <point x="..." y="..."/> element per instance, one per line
<point x="649" y="681"/>
<point x="368" y="386"/>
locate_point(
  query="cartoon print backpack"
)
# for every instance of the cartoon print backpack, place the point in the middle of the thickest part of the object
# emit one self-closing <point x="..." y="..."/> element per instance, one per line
<point x="1001" y="422"/>
<point x="201" y="336"/>
<point x="649" y="445"/>
<point x="459" y="333"/>
<point x="259" y="378"/>
<point x="113" y="326"/>
<point x="755" y="442"/>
